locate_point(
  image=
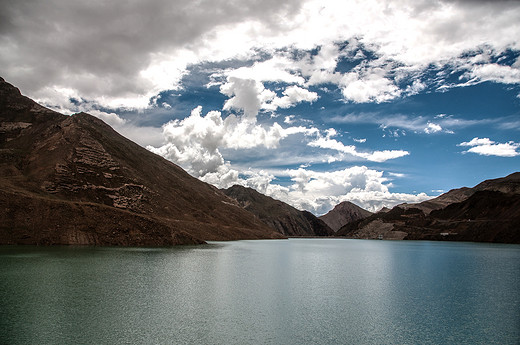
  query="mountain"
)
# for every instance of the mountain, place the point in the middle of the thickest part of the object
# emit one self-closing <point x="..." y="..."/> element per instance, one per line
<point x="488" y="212"/>
<point x="286" y="219"/>
<point x="74" y="180"/>
<point x="343" y="213"/>
<point x="486" y="216"/>
<point x="509" y="184"/>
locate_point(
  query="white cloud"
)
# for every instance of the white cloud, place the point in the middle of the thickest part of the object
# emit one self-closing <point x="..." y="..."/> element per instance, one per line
<point x="361" y="140"/>
<point x="289" y="119"/>
<point x="292" y="96"/>
<point x="321" y="191"/>
<point x="487" y="147"/>
<point x="516" y="64"/>
<point x="195" y="141"/>
<point x="383" y="156"/>
<point x="374" y="87"/>
<point x="416" y="87"/>
<point x="143" y="135"/>
<point x="432" y="128"/>
<point x="251" y="96"/>
<point x="278" y="68"/>
<point x="494" y="72"/>
<point x="350" y="150"/>
<point x="245" y="94"/>
<point x="398" y="175"/>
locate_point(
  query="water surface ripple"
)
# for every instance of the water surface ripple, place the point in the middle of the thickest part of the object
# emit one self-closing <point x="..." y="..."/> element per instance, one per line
<point x="297" y="291"/>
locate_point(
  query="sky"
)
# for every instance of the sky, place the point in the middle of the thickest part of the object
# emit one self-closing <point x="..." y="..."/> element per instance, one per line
<point x="311" y="102"/>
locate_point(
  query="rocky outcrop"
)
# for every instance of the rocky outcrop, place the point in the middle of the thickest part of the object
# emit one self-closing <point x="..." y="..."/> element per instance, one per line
<point x="344" y="213"/>
<point x="280" y="216"/>
<point x="74" y="180"/>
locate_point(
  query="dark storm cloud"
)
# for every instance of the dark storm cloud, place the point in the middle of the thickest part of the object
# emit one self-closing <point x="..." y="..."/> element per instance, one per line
<point x="73" y="43"/>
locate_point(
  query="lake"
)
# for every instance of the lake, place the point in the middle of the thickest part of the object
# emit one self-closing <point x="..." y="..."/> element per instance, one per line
<point x="297" y="291"/>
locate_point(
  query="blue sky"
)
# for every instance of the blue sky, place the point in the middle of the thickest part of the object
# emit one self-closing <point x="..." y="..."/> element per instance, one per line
<point x="373" y="102"/>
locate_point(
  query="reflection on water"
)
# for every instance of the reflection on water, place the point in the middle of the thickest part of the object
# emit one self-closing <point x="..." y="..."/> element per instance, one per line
<point x="326" y="291"/>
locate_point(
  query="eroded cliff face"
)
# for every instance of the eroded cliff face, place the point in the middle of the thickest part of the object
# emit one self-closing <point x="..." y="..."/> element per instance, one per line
<point x="74" y="180"/>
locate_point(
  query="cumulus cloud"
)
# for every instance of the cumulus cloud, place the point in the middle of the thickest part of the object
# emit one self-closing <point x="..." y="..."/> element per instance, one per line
<point x="195" y="141"/>
<point x="373" y="87"/>
<point x="251" y="96"/>
<point x="245" y="94"/>
<point x="318" y="192"/>
<point x="278" y="68"/>
<point x="292" y="96"/>
<point x="432" y="128"/>
<point x="321" y="191"/>
<point x="289" y="119"/>
<point x="487" y="147"/>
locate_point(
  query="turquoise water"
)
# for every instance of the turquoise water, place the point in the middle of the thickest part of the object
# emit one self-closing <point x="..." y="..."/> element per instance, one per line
<point x="297" y="291"/>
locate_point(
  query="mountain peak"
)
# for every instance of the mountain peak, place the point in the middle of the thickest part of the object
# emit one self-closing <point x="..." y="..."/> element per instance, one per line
<point x="344" y="213"/>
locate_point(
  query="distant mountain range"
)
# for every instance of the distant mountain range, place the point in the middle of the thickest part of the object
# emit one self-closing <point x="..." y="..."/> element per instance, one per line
<point x="280" y="216"/>
<point x="74" y="180"/>
<point x="488" y="212"/>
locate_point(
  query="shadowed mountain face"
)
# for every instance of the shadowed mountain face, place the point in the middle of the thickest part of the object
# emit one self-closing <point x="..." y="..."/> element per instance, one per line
<point x="280" y="216"/>
<point x="488" y="212"/>
<point x="74" y="180"/>
<point x="509" y="185"/>
<point x="344" y="213"/>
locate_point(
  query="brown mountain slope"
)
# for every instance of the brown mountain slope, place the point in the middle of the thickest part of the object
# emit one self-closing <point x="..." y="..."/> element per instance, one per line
<point x="344" y="213"/>
<point x="74" y="180"/>
<point x="280" y="216"/>
<point x="486" y="216"/>
<point x="508" y="184"/>
<point x="489" y="213"/>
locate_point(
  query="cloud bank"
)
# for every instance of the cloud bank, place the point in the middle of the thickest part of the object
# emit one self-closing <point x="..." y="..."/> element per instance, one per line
<point x="120" y="54"/>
